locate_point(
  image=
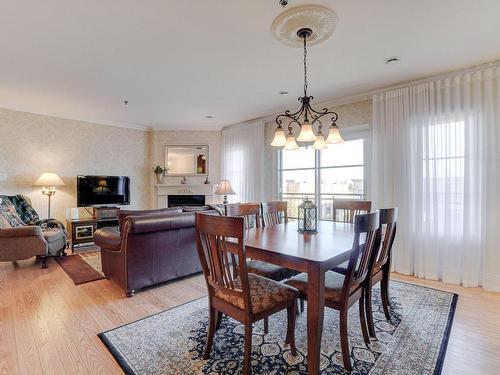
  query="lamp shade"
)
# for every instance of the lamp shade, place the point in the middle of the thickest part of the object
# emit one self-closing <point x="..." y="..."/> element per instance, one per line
<point x="320" y="142"/>
<point x="306" y="133"/>
<point x="291" y="144"/>
<point x="279" y="139"/>
<point x="49" y="179"/>
<point x="334" y="135"/>
<point x="225" y="188"/>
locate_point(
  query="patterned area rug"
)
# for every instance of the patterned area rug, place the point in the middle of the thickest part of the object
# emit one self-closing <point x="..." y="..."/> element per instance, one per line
<point x="172" y="342"/>
<point x="82" y="268"/>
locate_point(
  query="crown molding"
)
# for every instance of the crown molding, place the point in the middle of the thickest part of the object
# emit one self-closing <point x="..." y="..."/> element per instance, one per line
<point x="436" y="77"/>
<point x="85" y="120"/>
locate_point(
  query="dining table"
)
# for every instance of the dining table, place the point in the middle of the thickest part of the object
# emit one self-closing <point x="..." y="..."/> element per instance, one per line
<point x="313" y="253"/>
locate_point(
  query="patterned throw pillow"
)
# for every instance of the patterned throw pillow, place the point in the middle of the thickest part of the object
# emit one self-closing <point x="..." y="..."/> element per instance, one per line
<point x="8" y="211"/>
<point x="24" y="209"/>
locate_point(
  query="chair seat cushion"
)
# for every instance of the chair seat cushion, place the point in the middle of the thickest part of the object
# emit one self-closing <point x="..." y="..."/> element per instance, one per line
<point x="271" y="271"/>
<point x="343" y="268"/>
<point x="265" y="294"/>
<point x="56" y="240"/>
<point x="333" y="285"/>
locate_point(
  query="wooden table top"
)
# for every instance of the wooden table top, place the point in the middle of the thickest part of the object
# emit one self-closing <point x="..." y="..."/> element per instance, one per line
<point x="331" y="245"/>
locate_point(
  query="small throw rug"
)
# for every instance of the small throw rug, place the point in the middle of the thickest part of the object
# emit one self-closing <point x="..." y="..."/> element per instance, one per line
<point x="83" y="267"/>
<point x="172" y="342"/>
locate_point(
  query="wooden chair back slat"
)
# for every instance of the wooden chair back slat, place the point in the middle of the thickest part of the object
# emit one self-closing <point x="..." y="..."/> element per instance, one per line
<point x="362" y="256"/>
<point x="250" y="212"/>
<point x="388" y="221"/>
<point x="345" y="210"/>
<point x="212" y="235"/>
<point x="274" y="213"/>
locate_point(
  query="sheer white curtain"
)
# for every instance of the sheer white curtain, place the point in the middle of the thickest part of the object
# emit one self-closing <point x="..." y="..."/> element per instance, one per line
<point x="436" y="154"/>
<point x="242" y="160"/>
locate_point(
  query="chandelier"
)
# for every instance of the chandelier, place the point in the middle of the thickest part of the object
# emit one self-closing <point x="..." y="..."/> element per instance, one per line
<point x="306" y="117"/>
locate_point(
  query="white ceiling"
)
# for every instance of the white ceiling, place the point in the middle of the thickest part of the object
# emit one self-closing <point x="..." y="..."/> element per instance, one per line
<point x="177" y="61"/>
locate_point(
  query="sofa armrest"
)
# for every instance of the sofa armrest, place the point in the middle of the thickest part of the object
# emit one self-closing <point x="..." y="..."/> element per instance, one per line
<point x="108" y="238"/>
<point x="28" y="231"/>
<point x="157" y="223"/>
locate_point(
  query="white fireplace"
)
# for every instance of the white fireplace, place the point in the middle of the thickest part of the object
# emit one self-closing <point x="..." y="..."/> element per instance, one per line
<point x="163" y="191"/>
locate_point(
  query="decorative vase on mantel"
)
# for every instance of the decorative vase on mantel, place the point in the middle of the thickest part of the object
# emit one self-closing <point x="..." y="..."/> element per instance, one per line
<point x="159" y="172"/>
<point x="160" y="178"/>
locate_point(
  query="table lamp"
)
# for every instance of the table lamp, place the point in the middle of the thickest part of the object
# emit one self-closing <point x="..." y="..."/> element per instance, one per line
<point x="49" y="181"/>
<point x="225" y="189"/>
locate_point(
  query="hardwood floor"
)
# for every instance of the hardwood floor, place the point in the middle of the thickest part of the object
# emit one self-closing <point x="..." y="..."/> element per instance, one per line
<point x="49" y="326"/>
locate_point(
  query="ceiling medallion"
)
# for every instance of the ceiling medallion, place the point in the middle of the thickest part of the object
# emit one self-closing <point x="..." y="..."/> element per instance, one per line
<point x="321" y="20"/>
<point x="306" y="117"/>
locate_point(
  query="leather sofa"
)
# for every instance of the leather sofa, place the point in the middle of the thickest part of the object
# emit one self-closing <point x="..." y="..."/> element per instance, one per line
<point x="153" y="246"/>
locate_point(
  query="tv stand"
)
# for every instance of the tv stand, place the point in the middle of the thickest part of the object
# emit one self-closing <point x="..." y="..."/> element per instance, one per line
<point x="106" y="216"/>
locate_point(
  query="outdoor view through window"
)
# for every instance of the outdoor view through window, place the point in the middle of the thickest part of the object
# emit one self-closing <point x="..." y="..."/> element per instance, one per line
<point x="334" y="172"/>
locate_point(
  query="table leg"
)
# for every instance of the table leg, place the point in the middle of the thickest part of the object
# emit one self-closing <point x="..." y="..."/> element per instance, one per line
<point x="315" y="314"/>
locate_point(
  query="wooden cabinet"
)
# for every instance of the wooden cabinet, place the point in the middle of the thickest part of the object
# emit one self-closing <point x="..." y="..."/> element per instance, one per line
<point x="81" y="231"/>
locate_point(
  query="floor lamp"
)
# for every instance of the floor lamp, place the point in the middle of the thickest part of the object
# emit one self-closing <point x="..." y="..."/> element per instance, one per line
<point x="49" y="181"/>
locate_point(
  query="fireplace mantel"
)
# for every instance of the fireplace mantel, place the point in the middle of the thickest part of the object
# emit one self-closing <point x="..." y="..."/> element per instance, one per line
<point x="164" y="190"/>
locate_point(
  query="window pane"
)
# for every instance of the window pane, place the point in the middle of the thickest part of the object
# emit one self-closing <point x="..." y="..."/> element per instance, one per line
<point x="444" y="140"/>
<point x="298" y="182"/>
<point x="342" y="181"/>
<point x="347" y="153"/>
<point x="297" y="185"/>
<point x="301" y="158"/>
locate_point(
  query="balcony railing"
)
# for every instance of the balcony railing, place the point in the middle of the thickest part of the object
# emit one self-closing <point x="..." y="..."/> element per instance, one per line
<point x="325" y="206"/>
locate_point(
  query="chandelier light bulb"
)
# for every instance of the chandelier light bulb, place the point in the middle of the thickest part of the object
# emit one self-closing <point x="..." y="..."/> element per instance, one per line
<point x="291" y="144"/>
<point x="306" y="133"/>
<point x="320" y="142"/>
<point x="334" y="135"/>
<point x="279" y="139"/>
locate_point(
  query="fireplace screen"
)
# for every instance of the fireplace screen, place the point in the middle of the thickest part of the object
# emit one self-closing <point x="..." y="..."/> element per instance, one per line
<point x="186" y="200"/>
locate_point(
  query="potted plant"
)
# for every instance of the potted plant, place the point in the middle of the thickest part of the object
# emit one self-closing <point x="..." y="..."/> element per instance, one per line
<point x="159" y="172"/>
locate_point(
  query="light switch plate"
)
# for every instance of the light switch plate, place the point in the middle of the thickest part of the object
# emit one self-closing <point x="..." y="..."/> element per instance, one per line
<point x="3" y="177"/>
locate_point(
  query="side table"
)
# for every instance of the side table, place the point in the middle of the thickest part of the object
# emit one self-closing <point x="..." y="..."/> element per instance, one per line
<point x="81" y="231"/>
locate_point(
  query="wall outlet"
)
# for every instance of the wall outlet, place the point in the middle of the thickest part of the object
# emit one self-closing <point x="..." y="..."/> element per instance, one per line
<point x="3" y="177"/>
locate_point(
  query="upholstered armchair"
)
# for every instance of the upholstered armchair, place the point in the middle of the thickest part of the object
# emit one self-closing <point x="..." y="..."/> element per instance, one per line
<point x="23" y="235"/>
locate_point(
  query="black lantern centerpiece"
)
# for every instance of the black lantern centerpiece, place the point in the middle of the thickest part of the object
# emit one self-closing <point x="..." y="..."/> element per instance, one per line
<point x="308" y="217"/>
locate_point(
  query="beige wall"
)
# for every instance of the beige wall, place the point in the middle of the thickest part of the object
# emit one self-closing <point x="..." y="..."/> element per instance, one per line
<point x="212" y="138"/>
<point x="31" y="144"/>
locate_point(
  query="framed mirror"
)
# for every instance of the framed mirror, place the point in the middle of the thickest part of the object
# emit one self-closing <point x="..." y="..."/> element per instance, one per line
<point x="186" y="160"/>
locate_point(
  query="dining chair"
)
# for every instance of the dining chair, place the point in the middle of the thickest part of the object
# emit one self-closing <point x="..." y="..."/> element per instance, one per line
<point x="345" y="210"/>
<point x="274" y="213"/>
<point x="245" y="297"/>
<point x="342" y="291"/>
<point x="250" y="212"/>
<point x="382" y="266"/>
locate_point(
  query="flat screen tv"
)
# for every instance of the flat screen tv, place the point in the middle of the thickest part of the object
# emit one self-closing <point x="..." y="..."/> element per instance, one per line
<point x="102" y="190"/>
